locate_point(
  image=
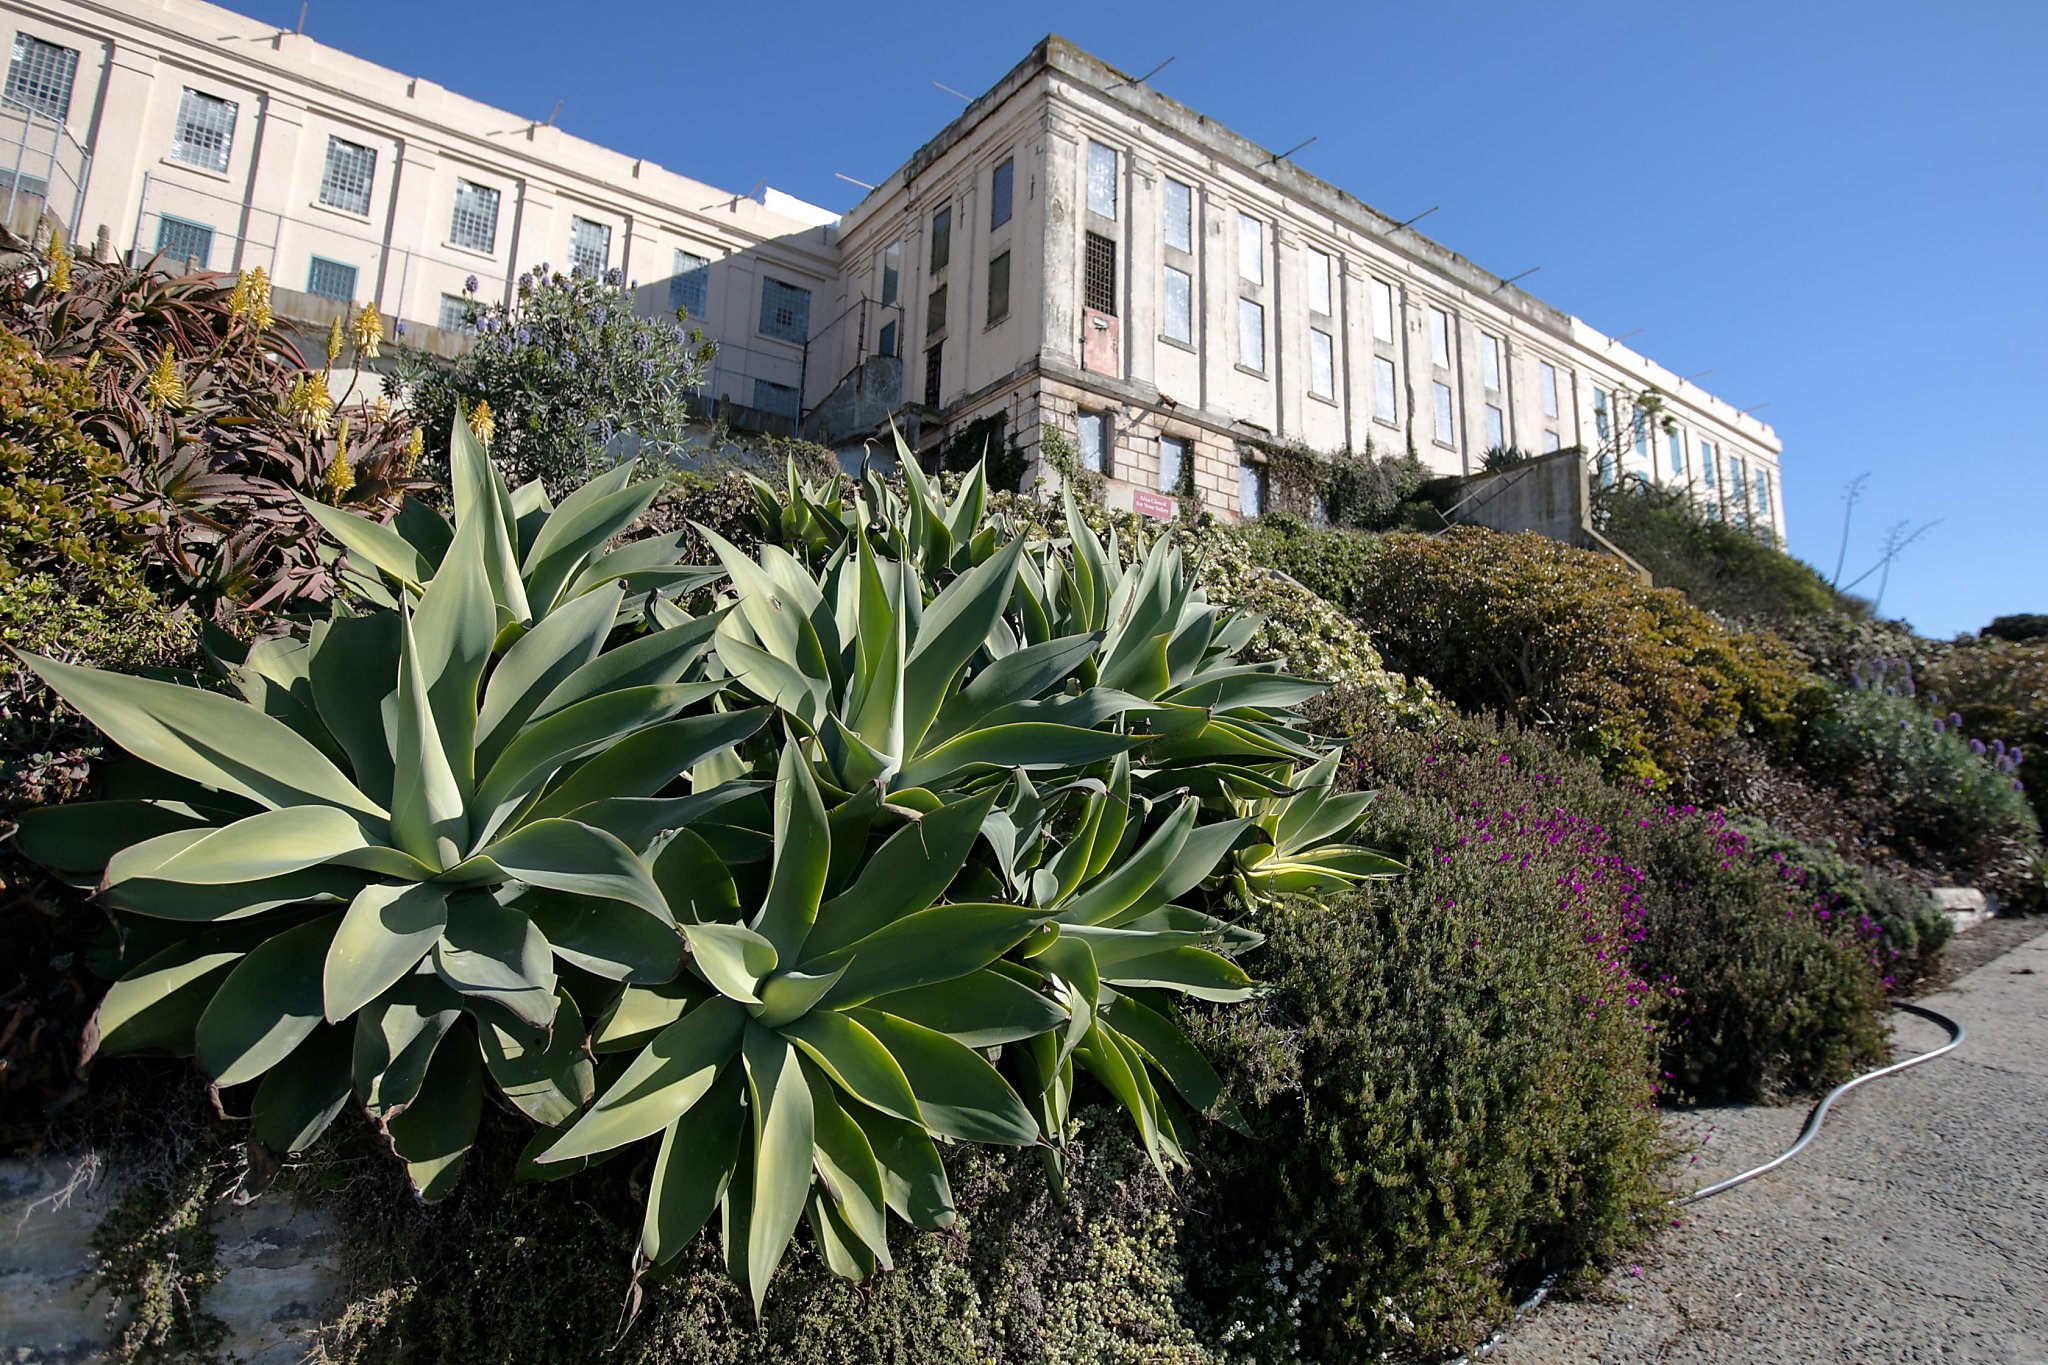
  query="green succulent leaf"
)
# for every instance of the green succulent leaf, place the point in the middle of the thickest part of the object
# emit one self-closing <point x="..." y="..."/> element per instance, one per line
<point x="156" y="1006"/>
<point x="295" y="1103"/>
<point x="784" y="1139"/>
<point x="269" y="1004"/>
<point x="385" y="933"/>
<point x="488" y="952"/>
<point x="434" y="1133"/>
<point x="959" y="1095"/>
<point x="981" y="1009"/>
<point x="672" y="1074"/>
<point x="694" y="1169"/>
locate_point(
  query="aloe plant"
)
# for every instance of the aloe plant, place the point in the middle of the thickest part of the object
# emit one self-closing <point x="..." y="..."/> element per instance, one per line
<point x="920" y="823"/>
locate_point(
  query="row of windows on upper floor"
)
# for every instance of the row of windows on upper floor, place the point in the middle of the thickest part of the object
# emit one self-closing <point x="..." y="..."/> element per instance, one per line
<point x="1722" y="476"/>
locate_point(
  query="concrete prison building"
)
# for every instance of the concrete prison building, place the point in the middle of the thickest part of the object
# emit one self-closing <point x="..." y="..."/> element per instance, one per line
<point x="1074" y="251"/>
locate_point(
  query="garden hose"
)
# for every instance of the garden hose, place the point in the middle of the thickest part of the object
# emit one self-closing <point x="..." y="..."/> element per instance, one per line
<point x="1956" y="1035"/>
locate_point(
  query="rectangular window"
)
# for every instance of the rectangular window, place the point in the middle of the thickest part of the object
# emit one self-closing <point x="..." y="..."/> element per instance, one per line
<point x="1179" y="215"/>
<point x="1640" y="429"/>
<point x="1603" y="470"/>
<point x="1736" y="488"/>
<point x="206" y="131"/>
<point x="934" y="357"/>
<point x="345" y="183"/>
<point x="1174" y="454"/>
<point x="779" y="400"/>
<point x="1098" y="274"/>
<point x="1676" y="439"/>
<point x="1600" y="423"/>
<point x="1708" y="458"/>
<point x="1383" y="312"/>
<point x="1101" y="180"/>
<point x="785" y="310"/>
<point x="1763" y="493"/>
<point x="454" y="316"/>
<point x="1322" y="364"/>
<point x="1318" y="282"/>
<point x="999" y="288"/>
<point x="475" y="223"/>
<point x="1445" y="431"/>
<point x="1440" y="338"/>
<point x="1180" y="306"/>
<point x="1094" y="437"/>
<point x="999" y="193"/>
<point x="1546" y="380"/>
<point x="1251" y="335"/>
<point x="327" y="279"/>
<point x="935" y="312"/>
<point x="1496" y="428"/>
<point x="1251" y="249"/>
<point x="590" y="247"/>
<point x="1489" y="361"/>
<point x="942" y="239"/>
<point x="1383" y="389"/>
<point x="1550" y="442"/>
<point x="885" y="344"/>
<point x="179" y="240"/>
<point x="39" y="77"/>
<point x="892" y="272"/>
<point x="689" y="288"/>
<point x="1251" y="489"/>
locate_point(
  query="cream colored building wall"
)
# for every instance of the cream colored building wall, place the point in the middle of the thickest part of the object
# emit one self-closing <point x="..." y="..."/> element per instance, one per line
<point x="137" y="57"/>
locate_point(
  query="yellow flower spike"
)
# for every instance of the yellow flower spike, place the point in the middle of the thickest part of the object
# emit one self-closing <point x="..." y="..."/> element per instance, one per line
<point x="260" y="316"/>
<point x="58" y="258"/>
<point x="367" y="332"/>
<point x="335" y="338"/>
<point x="238" y="297"/>
<point x="163" y="388"/>
<point x="482" y="425"/>
<point x="339" y="478"/>
<point x="309" y="405"/>
<point x="415" y="446"/>
<point x="380" y="407"/>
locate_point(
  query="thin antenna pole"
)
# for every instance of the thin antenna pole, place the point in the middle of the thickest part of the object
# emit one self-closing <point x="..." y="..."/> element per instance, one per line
<point x="1282" y="156"/>
<point x="1412" y="221"/>
<point x="1756" y="407"/>
<point x="300" y="30"/>
<point x="1149" y="74"/>
<point x="851" y="181"/>
<point x="964" y="99"/>
<point x="1696" y="374"/>
<point x="1636" y="332"/>
<point x="1512" y="278"/>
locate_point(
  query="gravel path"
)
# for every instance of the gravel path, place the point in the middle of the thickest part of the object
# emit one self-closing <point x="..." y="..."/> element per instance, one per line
<point x="1914" y="1229"/>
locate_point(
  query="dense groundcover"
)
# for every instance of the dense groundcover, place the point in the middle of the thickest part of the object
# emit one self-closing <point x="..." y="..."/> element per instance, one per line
<point x="688" y="917"/>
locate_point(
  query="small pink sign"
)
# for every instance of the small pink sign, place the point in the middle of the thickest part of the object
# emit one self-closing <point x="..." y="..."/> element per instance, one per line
<point x="1148" y="504"/>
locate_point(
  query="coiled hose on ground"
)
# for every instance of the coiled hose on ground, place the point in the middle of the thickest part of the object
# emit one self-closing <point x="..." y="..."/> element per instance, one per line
<point x="1956" y="1034"/>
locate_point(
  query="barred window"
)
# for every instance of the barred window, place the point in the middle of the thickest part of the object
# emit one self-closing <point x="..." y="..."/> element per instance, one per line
<point x="1098" y="274"/>
<point x="1319" y="300"/>
<point x="1251" y="249"/>
<point x="1322" y="364"/>
<point x="1173" y="458"/>
<point x="39" y="77"/>
<point x="689" y="289"/>
<point x="1489" y="361"/>
<point x="892" y="272"/>
<point x="1251" y="489"/>
<point x="1179" y="215"/>
<point x="1251" y="335"/>
<point x="1551" y="443"/>
<point x="454" y="313"/>
<point x="1446" y="430"/>
<point x="590" y="247"/>
<point x="345" y="184"/>
<point x="779" y="400"/>
<point x="1180" y="306"/>
<point x="1547" y="382"/>
<point x="206" y="131"/>
<point x="933" y="357"/>
<point x="999" y="193"/>
<point x="475" y="224"/>
<point x="1383" y="389"/>
<point x="1093" y="428"/>
<point x="1382" y="312"/>
<point x="885" y="344"/>
<point x="1101" y="180"/>
<point x="181" y="240"/>
<point x="999" y="288"/>
<point x="935" y="312"/>
<point x="331" y="280"/>
<point x="1440" y="338"/>
<point x="1708" y="459"/>
<point x="942" y="239"/>
<point x="1496" y="428"/>
<point x="1676" y="442"/>
<point x="785" y="310"/>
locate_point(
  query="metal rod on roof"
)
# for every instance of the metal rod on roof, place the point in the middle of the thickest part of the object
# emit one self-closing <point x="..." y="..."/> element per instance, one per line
<point x="1413" y="221"/>
<point x="1697" y="374"/>
<point x="1756" y="407"/>
<point x="1282" y="156"/>
<point x="1635" y="332"/>
<point x="964" y="99"/>
<point x="302" y="17"/>
<point x="1512" y="278"/>
<point x="1148" y="75"/>
<point x="851" y="181"/>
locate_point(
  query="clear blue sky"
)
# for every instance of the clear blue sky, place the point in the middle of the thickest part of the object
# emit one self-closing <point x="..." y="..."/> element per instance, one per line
<point x="1838" y="208"/>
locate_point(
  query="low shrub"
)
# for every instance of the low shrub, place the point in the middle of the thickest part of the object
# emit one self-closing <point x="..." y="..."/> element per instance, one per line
<point x="1912" y="928"/>
<point x="1720" y="566"/>
<point x="1998" y="688"/>
<point x="1452" y="1084"/>
<point x="1944" y="806"/>
<point x="1561" y="638"/>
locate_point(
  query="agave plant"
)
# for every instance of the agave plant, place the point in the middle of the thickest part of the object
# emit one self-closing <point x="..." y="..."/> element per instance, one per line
<point x="923" y="821"/>
<point x="377" y="853"/>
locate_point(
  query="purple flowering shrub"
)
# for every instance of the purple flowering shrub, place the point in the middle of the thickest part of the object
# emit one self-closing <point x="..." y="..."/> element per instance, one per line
<point x="1949" y="800"/>
<point x="566" y="367"/>
<point x="1999" y="689"/>
<point x="1454" y="1080"/>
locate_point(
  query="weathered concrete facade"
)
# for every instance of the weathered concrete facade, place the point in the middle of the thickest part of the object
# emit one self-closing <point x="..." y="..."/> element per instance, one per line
<point x="1074" y="248"/>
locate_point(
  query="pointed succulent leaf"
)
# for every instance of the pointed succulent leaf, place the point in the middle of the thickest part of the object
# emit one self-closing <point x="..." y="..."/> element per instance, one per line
<point x="856" y="1061"/>
<point x="959" y="1095"/>
<point x="566" y="855"/>
<point x="913" y="1178"/>
<point x="732" y="957"/>
<point x="295" y="1103"/>
<point x="981" y="1009"/>
<point x="434" y="1133"/>
<point x="645" y="762"/>
<point x="638" y="1013"/>
<point x="1166" y="1046"/>
<point x="784" y="1136"/>
<point x="354" y="670"/>
<point x="606" y="938"/>
<point x="268" y="1005"/>
<point x="803" y="852"/>
<point x="694" y="1169"/>
<point x="385" y="933"/>
<point x="271" y="843"/>
<point x="428" y="785"/>
<point x="671" y="1075"/>
<point x="156" y="1005"/>
<point x="928" y="946"/>
<point x="544" y="747"/>
<point x="483" y="502"/>
<point x="80" y="838"/>
<point x="1029" y="745"/>
<point x="910" y="871"/>
<point x="846" y="1165"/>
<point x="548" y="1079"/>
<point x="490" y="953"/>
<point x="395" y="1040"/>
<point x="370" y="544"/>
<point x="555" y="648"/>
